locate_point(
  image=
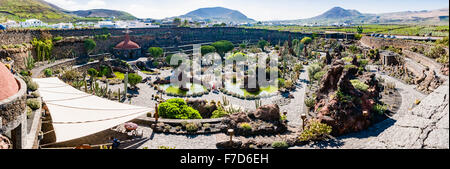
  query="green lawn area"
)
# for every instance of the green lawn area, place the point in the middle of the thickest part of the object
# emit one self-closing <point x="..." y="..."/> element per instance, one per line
<point x="119" y="75"/>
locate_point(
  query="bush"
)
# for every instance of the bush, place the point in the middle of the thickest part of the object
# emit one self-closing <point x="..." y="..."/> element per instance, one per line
<point x="319" y="75"/>
<point x="310" y="102"/>
<point x="32" y="86"/>
<point x="359" y="85"/>
<point x="58" y="38"/>
<point x="280" y="145"/>
<point x="33" y="104"/>
<point x="70" y="75"/>
<point x="48" y="72"/>
<point x="347" y="67"/>
<point x="207" y="49"/>
<point x="313" y="69"/>
<point x="315" y="131"/>
<point x="281" y="83"/>
<point x="104" y="71"/>
<point x="177" y="109"/>
<point x="134" y="79"/>
<point x="92" y="72"/>
<point x="218" y="114"/>
<point x="246" y="126"/>
<point x="380" y="109"/>
<point x="35" y="94"/>
<point x="29" y="112"/>
<point x="89" y="45"/>
<point x="191" y="127"/>
<point x="155" y="52"/>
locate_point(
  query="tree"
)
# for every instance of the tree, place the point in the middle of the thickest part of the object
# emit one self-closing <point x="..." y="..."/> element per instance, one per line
<point x="262" y="44"/>
<point x="134" y="79"/>
<point x="223" y="47"/>
<point x="207" y="49"/>
<point x="155" y="52"/>
<point x="177" y="21"/>
<point x="89" y="45"/>
<point x="306" y="41"/>
<point x="359" y="29"/>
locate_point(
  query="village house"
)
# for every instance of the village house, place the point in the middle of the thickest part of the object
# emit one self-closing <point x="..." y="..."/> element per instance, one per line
<point x="32" y="23"/>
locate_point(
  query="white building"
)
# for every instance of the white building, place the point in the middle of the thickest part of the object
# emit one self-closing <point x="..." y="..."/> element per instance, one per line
<point x="10" y="24"/>
<point x="62" y="26"/>
<point x="32" y="23"/>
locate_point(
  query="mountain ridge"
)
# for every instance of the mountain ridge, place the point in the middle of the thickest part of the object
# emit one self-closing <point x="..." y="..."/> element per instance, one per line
<point x="219" y="14"/>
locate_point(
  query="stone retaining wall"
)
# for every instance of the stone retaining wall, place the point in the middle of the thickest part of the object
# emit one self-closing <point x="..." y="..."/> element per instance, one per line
<point x="13" y="108"/>
<point x="398" y="43"/>
<point x="422" y="59"/>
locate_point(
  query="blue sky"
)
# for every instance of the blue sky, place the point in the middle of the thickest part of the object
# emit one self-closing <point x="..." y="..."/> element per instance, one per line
<point x="257" y="9"/>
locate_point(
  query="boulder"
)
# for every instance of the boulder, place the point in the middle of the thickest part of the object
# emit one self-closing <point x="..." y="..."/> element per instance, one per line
<point x="234" y="119"/>
<point x="204" y="107"/>
<point x="234" y="144"/>
<point x="268" y="113"/>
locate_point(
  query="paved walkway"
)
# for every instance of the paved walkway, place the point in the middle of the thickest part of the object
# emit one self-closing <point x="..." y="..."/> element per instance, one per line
<point x="37" y="70"/>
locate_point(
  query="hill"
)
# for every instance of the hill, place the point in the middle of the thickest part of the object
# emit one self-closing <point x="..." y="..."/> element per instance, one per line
<point x="338" y="13"/>
<point x="341" y="15"/>
<point x="104" y="13"/>
<point x="218" y="14"/>
<point x="28" y="9"/>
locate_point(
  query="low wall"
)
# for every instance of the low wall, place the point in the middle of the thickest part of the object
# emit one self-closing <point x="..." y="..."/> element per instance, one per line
<point x="426" y="61"/>
<point x="398" y="43"/>
<point x="13" y="108"/>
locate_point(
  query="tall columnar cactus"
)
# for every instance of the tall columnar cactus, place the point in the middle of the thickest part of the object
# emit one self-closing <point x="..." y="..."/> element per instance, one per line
<point x="125" y="84"/>
<point x="85" y="83"/>
<point x="118" y="95"/>
<point x="257" y="103"/>
<point x="226" y="102"/>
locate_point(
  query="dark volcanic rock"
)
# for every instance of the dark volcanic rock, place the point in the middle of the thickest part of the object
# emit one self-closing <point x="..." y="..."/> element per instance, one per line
<point x="341" y="105"/>
<point x="268" y="113"/>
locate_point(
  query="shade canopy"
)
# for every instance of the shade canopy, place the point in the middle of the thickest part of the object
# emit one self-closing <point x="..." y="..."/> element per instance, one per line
<point x="76" y="114"/>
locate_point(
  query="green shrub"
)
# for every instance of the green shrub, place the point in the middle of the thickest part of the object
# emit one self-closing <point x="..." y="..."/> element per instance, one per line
<point x="29" y="112"/>
<point x="207" y="49"/>
<point x="341" y="96"/>
<point x="191" y="127"/>
<point x="177" y="109"/>
<point x="319" y="75"/>
<point x="35" y="94"/>
<point x="155" y="52"/>
<point x="58" y="38"/>
<point x="92" y="72"/>
<point x="33" y="104"/>
<point x="313" y="69"/>
<point x="310" y="102"/>
<point x="70" y="75"/>
<point x="246" y="126"/>
<point x="219" y="114"/>
<point x="380" y="109"/>
<point x="48" y="72"/>
<point x="105" y="71"/>
<point x="281" y="82"/>
<point x="359" y="85"/>
<point x="280" y="145"/>
<point x="347" y="59"/>
<point x="315" y="131"/>
<point x="134" y="79"/>
<point x="283" y="117"/>
<point x="347" y="67"/>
